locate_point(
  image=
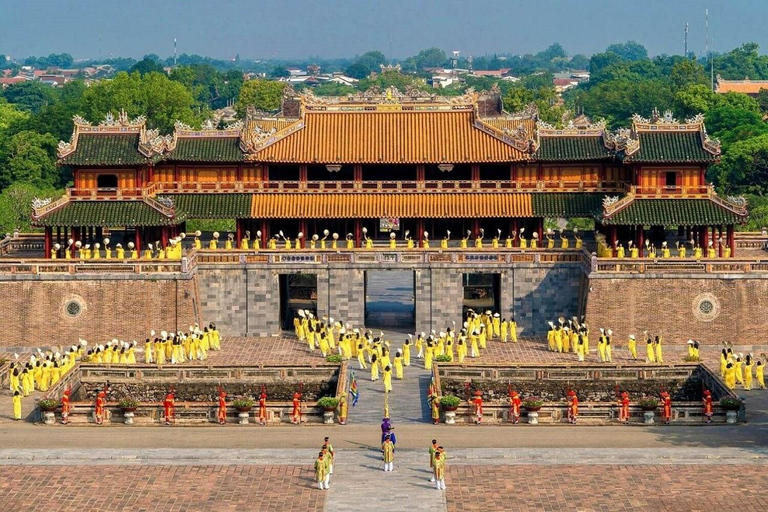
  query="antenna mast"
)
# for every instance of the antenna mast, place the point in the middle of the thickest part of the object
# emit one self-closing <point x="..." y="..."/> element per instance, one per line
<point x="686" y="39"/>
<point x="708" y="51"/>
<point x="174" y="51"/>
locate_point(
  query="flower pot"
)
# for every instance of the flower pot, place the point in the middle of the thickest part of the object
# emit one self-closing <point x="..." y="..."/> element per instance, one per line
<point x="243" y="409"/>
<point x="49" y="409"/>
<point x="129" y="409"/>
<point x="450" y="407"/>
<point x="533" y="409"/>
<point x="329" y="409"/>
<point x="649" y="408"/>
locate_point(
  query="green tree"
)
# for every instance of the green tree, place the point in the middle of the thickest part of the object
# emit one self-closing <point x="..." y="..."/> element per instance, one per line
<point x="629" y="50"/>
<point x="154" y="95"/>
<point x="280" y="72"/>
<point x="10" y="115"/>
<point x="686" y="73"/>
<point x="147" y="65"/>
<point x="429" y="58"/>
<point x="744" y="167"/>
<point x="16" y="205"/>
<point x="30" y="96"/>
<point x="261" y="94"/>
<point x="29" y="157"/>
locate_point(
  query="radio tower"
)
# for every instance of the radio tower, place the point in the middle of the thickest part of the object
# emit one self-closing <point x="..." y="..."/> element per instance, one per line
<point x="686" y="39"/>
<point x="174" y="52"/>
<point x="708" y="51"/>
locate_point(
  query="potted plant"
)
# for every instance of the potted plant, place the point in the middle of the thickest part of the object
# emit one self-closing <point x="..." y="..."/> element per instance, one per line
<point x="328" y="403"/>
<point x="450" y="402"/>
<point x="533" y="404"/>
<point x="443" y="358"/>
<point x="648" y="403"/>
<point x="48" y="404"/>
<point x="242" y="404"/>
<point x="128" y="404"/>
<point x="730" y="403"/>
<point x="333" y="358"/>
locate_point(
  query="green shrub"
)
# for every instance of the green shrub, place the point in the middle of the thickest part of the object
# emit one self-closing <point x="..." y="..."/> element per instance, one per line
<point x="731" y="403"/>
<point x="450" y="401"/>
<point x="444" y="358"/>
<point x="48" y="403"/>
<point x="328" y="402"/>
<point x="533" y="402"/>
<point x="333" y="358"/>
<point x="242" y="403"/>
<point x="128" y="403"/>
<point x="648" y="403"/>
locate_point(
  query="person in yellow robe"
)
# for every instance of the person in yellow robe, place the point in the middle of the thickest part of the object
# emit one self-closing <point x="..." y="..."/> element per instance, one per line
<point x="551" y="337"/>
<point x="659" y="352"/>
<point x="429" y="352"/>
<point x="504" y="330"/>
<point x="392" y="241"/>
<point x="759" y="375"/>
<point x="134" y="252"/>
<point x="439" y="471"/>
<point x="738" y="367"/>
<point x="465" y="241"/>
<point x="387" y="379"/>
<point x="444" y="241"/>
<point x="213" y="244"/>
<point x="398" y="365"/>
<point x="407" y="352"/>
<point x="748" y="363"/>
<point x="650" y="352"/>
<point x="496" y="322"/>
<point x="632" y="346"/>
<point x="374" y="367"/>
<point x="425" y="240"/>
<point x="16" y="405"/>
<point x="320" y="471"/>
<point x="730" y="375"/>
<point x="723" y="361"/>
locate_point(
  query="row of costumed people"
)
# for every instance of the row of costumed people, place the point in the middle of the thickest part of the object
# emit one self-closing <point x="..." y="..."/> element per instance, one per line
<point x="740" y="369"/>
<point x="663" y="251"/>
<point x="332" y="241"/>
<point x="77" y="250"/>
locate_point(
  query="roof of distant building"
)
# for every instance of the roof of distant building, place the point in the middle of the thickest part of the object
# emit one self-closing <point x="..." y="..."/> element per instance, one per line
<point x="745" y="86"/>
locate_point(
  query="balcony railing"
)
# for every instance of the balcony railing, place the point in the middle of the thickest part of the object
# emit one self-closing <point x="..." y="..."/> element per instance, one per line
<point x="672" y="191"/>
<point x="343" y="187"/>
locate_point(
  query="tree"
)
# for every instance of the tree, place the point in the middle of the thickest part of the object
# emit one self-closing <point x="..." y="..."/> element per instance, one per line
<point x="629" y="50"/>
<point x="30" y="96"/>
<point x="744" y="167"/>
<point x="10" y="115"/>
<point x="147" y="65"/>
<point x="154" y="95"/>
<point x="686" y="73"/>
<point x="365" y="64"/>
<point x="430" y="58"/>
<point x="357" y="70"/>
<point x="29" y="157"/>
<point x="16" y="205"/>
<point x="280" y="72"/>
<point x="261" y="94"/>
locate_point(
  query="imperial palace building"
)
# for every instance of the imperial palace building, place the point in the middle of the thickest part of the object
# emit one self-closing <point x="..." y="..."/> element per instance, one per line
<point x="364" y="167"/>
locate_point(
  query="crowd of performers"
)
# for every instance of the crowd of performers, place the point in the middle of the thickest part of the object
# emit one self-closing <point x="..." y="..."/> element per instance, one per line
<point x="604" y="250"/>
<point x="738" y="369"/>
<point x="573" y="336"/>
<point x="43" y="370"/>
<point x="167" y="348"/>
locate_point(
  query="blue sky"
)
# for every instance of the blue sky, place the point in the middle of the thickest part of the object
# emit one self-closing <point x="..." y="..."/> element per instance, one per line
<point x="344" y="28"/>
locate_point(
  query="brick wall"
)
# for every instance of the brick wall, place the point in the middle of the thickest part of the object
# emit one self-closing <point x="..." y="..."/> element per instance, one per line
<point x="34" y="311"/>
<point x="672" y="306"/>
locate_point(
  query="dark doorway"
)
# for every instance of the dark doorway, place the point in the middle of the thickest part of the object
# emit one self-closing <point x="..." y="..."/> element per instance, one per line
<point x="106" y="181"/>
<point x="297" y="291"/>
<point x="670" y="179"/>
<point x="481" y="292"/>
<point x="390" y="299"/>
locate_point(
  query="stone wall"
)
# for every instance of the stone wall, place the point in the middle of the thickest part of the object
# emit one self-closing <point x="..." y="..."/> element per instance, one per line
<point x="708" y="308"/>
<point x="245" y="300"/>
<point x="58" y="310"/>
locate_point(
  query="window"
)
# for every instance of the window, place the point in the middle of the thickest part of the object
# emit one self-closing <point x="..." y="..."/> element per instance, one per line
<point x="106" y="181"/>
<point x="670" y="179"/>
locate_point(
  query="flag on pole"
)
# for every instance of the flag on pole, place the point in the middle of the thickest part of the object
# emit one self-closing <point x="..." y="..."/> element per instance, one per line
<point x="353" y="389"/>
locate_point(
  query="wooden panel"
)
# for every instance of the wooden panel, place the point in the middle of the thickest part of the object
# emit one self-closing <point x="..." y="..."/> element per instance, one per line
<point x="88" y="180"/>
<point x="163" y="174"/>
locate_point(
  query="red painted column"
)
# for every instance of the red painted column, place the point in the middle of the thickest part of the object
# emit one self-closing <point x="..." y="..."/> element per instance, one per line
<point x="265" y="234"/>
<point x="704" y="239"/>
<point x="358" y="232"/>
<point x="137" y="239"/>
<point x="475" y="229"/>
<point x="475" y="175"/>
<point x="238" y="231"/>
<point x="48" y="241"/>
<point x="732" y="240"/>
<point x="719" y="245"/>
<point x="164" y="236"/>
<point x="420" y="231"/>
<point x="613" y="239"/>
<point x="304" y="228"/>
<point x="513" y="227"/>
<point x="540" y="229"/>
<point x="640" y="239"/>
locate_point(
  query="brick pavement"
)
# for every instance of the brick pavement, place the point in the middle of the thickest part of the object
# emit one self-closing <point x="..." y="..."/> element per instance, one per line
<point x="159" y="488"/>
<point x="614" y="487"/>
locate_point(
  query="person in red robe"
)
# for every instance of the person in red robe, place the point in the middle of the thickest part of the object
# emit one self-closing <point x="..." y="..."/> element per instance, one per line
<point x="477" y="405"/>
<point x="65" y="406"/>
<point x="624" y="408"/>
<point x="296" y="414"/>
<point x="221" y="414"/>
<point x="514" y="407"/>
<point x="168" y="406"/>
<point x="666" y="407"/>
<point x="263" y="408"/>
<point x="708" y="410"/>
<point x="573" y="406"/>
<point x="101" y="400"/>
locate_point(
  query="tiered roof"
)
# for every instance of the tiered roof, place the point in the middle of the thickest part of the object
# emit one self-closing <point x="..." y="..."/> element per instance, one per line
<point x="390" y="128"/>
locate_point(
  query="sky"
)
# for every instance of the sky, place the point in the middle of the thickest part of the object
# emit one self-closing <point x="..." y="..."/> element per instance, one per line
<point x="298" y="29"/>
